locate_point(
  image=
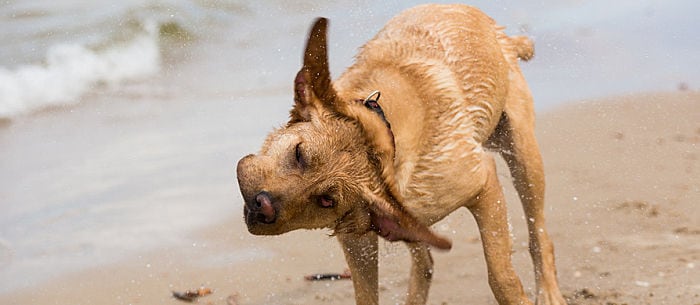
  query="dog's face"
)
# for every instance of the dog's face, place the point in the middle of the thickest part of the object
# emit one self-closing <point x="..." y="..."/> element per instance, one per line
<point x="307" y="175"/>
<point x="329" y="167"/>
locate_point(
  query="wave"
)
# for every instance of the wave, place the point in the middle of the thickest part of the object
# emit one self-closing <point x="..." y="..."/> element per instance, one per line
<point x="70" y="70"/>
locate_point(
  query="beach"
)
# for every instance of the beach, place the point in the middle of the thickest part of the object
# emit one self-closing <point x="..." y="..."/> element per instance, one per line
<point x="121" y="125"/>
<point x="623" y="185"/>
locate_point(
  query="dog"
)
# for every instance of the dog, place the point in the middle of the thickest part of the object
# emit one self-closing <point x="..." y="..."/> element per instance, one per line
<point x="400" y="141"/>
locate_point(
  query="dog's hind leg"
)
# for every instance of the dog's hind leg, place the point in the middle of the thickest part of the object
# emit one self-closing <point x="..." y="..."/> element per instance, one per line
<point x="489" y="210"/>
<point x="421" y="274"/>
<point x="361" y="255"/>
<point x="515" y="138"/>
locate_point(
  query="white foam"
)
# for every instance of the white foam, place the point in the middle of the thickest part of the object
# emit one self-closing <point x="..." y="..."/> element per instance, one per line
<point x="70" y="70"/>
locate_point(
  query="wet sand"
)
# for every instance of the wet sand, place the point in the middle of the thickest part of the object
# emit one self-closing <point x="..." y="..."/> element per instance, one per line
<point x="623" y="190"/>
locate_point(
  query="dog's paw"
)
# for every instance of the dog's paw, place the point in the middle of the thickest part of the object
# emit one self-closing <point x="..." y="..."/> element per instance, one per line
<point x="549" y="297"/>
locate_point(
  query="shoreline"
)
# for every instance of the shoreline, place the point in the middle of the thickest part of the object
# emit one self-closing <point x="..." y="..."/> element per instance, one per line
<point x="622" y="176"/>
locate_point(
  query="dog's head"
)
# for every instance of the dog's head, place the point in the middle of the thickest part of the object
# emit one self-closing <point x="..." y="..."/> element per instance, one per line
<point x="331" y="166"/>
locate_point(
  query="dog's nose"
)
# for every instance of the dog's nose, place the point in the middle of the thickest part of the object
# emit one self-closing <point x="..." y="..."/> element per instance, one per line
<point x="264" y="203"/>
<point x="262" y="206"/>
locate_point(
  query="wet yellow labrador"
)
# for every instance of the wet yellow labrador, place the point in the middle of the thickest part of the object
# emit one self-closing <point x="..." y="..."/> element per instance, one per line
<point x="400" y="141"/>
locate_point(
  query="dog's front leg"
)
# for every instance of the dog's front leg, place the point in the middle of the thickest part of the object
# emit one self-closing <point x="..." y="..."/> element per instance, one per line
<point x="361" y="256"/>
<point x="421" y="274"/>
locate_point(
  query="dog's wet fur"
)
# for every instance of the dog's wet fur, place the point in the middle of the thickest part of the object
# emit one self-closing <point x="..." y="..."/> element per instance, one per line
<point x="451" y="89"/>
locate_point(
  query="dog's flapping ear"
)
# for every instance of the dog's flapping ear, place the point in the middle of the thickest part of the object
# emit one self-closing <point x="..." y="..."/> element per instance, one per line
<point x="393" y="223"/>
<point x="313" y="91"/>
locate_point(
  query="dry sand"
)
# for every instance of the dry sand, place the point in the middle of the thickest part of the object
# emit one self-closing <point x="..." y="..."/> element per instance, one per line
<point x="622" y="208"/>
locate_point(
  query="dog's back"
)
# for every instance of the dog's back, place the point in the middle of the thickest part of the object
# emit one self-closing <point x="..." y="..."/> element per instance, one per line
<point x="450" y="66"/>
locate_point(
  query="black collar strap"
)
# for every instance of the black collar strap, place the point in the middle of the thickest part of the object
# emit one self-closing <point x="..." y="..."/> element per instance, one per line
<point x="372" y="103"/>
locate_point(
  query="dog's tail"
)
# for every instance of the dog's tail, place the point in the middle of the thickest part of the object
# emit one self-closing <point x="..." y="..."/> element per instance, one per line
<point x="523" y="47"/>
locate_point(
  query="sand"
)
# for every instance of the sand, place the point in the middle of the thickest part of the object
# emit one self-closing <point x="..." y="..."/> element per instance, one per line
<point x="622" y="209"/>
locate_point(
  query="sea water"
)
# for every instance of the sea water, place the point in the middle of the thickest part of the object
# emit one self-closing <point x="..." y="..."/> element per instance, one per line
<point x="121" y="121"/>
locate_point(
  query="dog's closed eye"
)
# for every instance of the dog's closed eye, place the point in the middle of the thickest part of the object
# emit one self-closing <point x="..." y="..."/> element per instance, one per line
<point x="299" y="157"/>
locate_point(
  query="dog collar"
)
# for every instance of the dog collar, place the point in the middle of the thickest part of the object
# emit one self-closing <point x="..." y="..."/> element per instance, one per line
<point x="372" y="103"/>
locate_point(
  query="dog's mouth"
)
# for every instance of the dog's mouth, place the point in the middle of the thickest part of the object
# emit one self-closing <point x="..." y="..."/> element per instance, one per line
<point x="260" y="209"/>
<point x="385" y="230"/>
<point x="253" y="218"/>
<point x="258" y="224"/>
